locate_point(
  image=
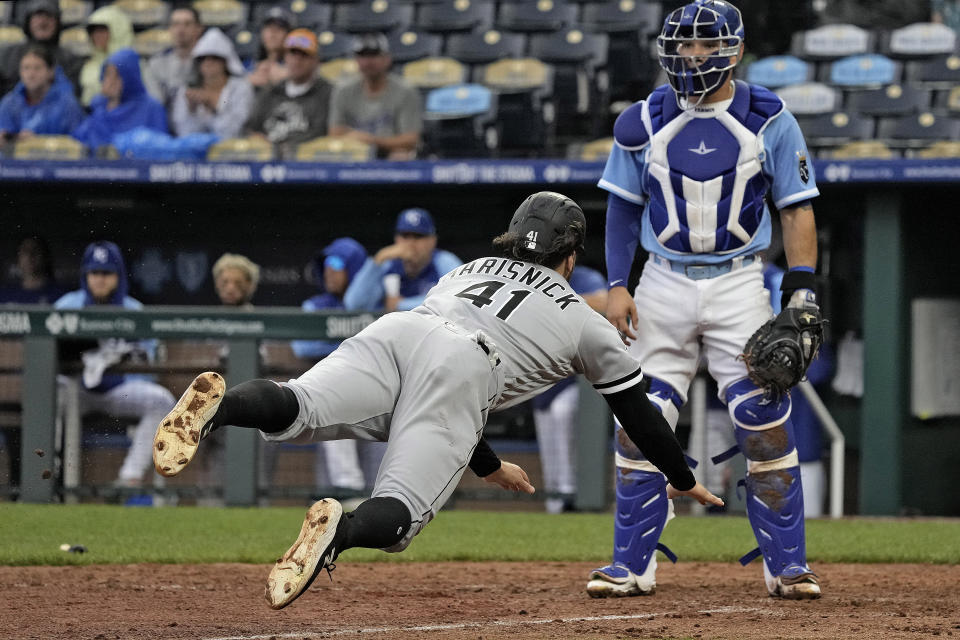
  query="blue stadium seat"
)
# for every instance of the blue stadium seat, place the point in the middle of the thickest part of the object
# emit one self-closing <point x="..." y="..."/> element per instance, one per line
<point x="892" y="100"/>
<point x="461" y="121"/>
<point x="831" y="42"/>
<point x="916" y="131"/>
<point x="484" y="47"/>
<point x="456" y="15"/>
<point x="406" y="46"/>
<point x="810" y="98"/>
<point x="536" y="16"/>
<point x="920" y="40"/>
<point x="779" y="71"/>
<point x="580" y="82"/>
<point x="373" y="15"/>
<point x="863" y="71"/>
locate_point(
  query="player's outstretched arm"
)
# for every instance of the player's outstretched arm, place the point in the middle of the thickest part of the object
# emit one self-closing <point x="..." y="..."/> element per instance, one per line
<point x="622" y="313"/>
<point x="510" y="477"/>
<point x="698" y="493"/>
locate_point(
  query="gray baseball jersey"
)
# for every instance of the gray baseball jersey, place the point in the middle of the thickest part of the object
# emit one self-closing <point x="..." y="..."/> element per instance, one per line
<point x="490" y="334"/>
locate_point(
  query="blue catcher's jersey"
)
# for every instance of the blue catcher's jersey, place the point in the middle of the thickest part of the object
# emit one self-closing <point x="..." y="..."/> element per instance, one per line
<point x="703" y="173"/>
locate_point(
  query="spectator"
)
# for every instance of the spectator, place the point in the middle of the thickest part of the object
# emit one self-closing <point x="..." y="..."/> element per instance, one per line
<point x="398" y="277"/>
<point x="39" y="104"/>
<point x="378" y="107"/>
<point x="41" y="26"/>
<point x="295" y="110"/>
<point x="110" y="31"/>
<point x="170" y="68"/>
<point x="123" y="105"/>
<point x="218" y="100"/>
<point x="35" y="285"/>
<point x="555" y="411"/>
<point x="103" y="282"/>
<point x="270" y="67"/>
<point x="946" y="12"/>
<point x="34" y="272"/>
<point x="236" y="278"/>
<point x="334" y="269"/>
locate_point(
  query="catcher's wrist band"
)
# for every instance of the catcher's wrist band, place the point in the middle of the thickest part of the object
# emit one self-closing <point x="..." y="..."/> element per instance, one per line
<point x="799" y="278"/>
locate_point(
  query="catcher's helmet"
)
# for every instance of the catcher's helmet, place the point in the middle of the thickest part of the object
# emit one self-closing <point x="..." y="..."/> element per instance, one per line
<point x="713" y="20"/>
<point x="545" y="216"/>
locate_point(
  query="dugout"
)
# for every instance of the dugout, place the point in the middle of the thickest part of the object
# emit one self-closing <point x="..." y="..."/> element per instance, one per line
<point x="887" y="234"/>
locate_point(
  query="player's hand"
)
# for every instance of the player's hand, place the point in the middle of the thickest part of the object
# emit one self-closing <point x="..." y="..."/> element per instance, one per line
<point x="391" y="252"/>
<point x="510" y="477"/>
<point x="622" y="313"/>
<point x="698" y="493"/>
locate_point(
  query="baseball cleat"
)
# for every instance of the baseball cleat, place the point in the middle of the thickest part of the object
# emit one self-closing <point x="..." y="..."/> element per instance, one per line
<point x="180" y="433"/>
<point x="616" y="580"/>
<point x="794" y="583"/>
<point x="314" y="551"/>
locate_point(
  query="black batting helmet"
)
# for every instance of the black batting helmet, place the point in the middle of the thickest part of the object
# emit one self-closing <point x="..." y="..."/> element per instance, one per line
<point x="545" y="216"/>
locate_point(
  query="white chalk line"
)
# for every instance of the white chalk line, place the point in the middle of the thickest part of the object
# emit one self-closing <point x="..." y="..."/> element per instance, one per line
<point x="306" y="635"/>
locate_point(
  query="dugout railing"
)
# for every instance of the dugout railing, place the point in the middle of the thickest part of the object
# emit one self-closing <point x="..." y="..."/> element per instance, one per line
<point x="232" y="342"/>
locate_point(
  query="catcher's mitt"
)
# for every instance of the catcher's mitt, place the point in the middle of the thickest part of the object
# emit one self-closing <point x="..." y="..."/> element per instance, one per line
<point x="778" y="353"/>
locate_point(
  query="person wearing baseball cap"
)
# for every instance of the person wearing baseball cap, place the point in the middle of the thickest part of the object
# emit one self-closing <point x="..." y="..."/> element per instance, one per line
<point x="270" y="67"/>
<point x="377" y="107"/>
<point x="295" y="110"/>
<point x="399" y="276"/>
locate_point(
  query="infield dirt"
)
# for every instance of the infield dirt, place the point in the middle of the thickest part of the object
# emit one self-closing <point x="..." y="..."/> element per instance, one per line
<point x="470" y="600"/>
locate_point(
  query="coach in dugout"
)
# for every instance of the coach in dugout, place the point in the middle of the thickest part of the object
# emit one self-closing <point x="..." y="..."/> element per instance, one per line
<point x="399" y="276"/>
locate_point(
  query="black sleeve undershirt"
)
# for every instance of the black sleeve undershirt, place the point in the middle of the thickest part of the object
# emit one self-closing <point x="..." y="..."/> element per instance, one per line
<point x="484" y="461"/>
<point x="652" y="435"/>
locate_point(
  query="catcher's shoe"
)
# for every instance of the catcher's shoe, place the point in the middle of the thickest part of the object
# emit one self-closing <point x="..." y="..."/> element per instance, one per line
<point x="616" y="580"/>
<point x="180" y="433"/>
<point x="794" y="583"/>
<point x="315" y="550"/>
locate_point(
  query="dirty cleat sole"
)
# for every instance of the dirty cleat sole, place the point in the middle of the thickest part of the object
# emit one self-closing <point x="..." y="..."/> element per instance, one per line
<point x="181" y="431"/>
<point x="313" y="551"/>
<point x="802" y="587"/>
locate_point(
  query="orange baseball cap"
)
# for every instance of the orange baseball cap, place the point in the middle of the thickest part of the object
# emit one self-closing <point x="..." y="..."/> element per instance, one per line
<point x="302" y="40"/>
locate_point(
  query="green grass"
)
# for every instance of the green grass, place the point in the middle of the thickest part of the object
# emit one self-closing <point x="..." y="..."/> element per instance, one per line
<point x="32" y="534"/>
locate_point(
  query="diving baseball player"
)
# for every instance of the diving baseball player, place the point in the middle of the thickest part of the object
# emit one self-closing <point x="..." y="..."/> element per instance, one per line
<point x="687" y="179"/>
<point x="490" y="334"/>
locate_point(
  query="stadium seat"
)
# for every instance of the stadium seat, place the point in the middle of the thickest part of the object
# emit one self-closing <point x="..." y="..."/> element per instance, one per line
<point x="615" y="16"/>
<point x="873" y="149"/>
<point x="949" y="101"/>
<point x="779" y="71"/>
<point x="892" y="100"/>
<point x="835" y="129"/>
<point x="580" y="83"/>
<point x="76" y="40"/>
<point x="810" y="98"/>
<point x="145" y="14"/>
<point x="460" y="122"/>
<point x="49" y="148"/>
<point x="335" y="44"/>
<point x="525" y="109"/>
<point x="73" y="12"/>
<point x="862" y="71"/>
<point x="917" y="130"/>
<point x="11" y="34"/>
<point x="308" y="14"/>
<point x="373" y="15"/>
<point x="544" y="15"/>
<point x="330" y="149"/>
<point x="333" y="71"/>
<point x="151" y="41"/>
<point x="434" y="72"/>
<point x="484" y="47"/>
<point x="940" y="149"/>
<point x="252" y="149"/>
<point x="246" y="43"/>
<point x="407" y="46"/>
<point x="630" y="25"/>
<point x="941" y="72"/>
<point x="831" y="42"/>
<point x="920" y="40"/>
<point x="455" y="15"/>
<point x="225" y="14"/>
<point x="6" y="11"/>
<point x="593" y="151"/>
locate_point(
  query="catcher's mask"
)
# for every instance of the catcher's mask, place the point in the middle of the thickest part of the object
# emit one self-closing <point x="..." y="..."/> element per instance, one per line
<point x="712" y="22"/>
<point x="545" y="216"/>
